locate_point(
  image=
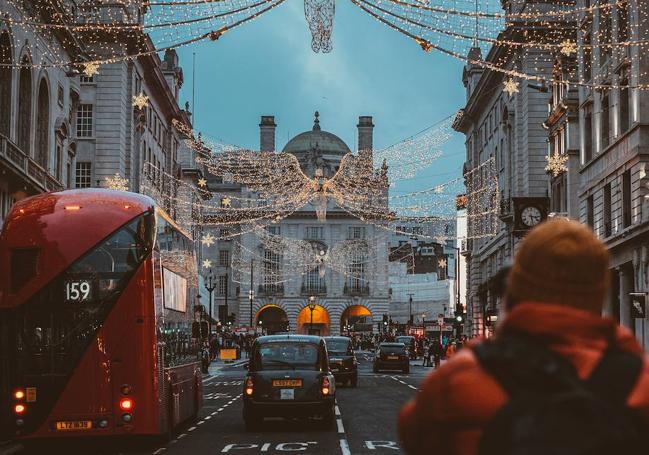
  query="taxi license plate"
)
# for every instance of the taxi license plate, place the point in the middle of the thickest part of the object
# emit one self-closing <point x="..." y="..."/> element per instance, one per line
<point x="287" y="382"/>
<point x="287" y="394"/>
<point x="73" y="425"/>
<point x="393" y="357"/>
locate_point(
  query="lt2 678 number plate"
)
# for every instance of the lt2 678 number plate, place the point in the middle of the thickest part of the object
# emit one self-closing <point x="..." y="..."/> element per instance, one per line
<point x="69" y="425"/>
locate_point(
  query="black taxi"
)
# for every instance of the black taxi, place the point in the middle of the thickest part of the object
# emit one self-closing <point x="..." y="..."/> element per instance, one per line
<point x="342" y="360"/>
<point x="392" y="356"/>
<point x="288" y="376"/>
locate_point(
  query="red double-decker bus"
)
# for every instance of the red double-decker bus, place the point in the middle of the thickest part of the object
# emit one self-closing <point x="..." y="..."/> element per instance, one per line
<point x="96" y="294"/>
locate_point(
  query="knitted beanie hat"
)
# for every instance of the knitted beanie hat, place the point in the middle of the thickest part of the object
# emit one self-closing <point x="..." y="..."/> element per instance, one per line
<point x="562" y="262"/>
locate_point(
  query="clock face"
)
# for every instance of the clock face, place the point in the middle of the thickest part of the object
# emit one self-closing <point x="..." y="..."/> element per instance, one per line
<point x="531" y="216"/>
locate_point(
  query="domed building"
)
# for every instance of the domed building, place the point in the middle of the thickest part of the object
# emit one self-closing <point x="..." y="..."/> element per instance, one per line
<point x="324" y="300"/>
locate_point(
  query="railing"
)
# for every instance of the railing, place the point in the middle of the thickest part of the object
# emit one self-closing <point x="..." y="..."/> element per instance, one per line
<point x="270" y="289"/>
<point x="23" y="163"/>
<point x="313" y="290"/>
<point x="356" y="290"/>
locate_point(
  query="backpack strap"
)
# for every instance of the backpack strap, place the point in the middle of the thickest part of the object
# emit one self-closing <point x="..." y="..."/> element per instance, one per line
<point x="615" y="375"/>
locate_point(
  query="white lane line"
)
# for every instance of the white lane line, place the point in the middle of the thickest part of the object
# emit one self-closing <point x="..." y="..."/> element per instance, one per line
<point x="344" y="447"/>
<point x="214" y="413"/>
<point x="160" y="450"/>
<point x="208" y="417"/>
<point x="181" y="436"/>
<point x="337" y="410"/>
<point x="191" y="428"/>
<point x="412" y="387"/>
<point x="341" y="428"/>
<point x="200" y="423"/>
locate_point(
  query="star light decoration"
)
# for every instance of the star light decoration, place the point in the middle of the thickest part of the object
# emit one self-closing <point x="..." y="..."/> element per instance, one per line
<point x="442" y="263"/>
<point x="208" y="239"/>
<point x="226" y="202"/>
<point x="511" y="87"/>
<point x="207" y="264"/>
<point x="202" y="182"/>
<point x="117" y="182"/>
<point x="90" y="69"/>
<point x="556" y="164"/>
<point x="568" y="48"/>
<point x="140" y="101"/>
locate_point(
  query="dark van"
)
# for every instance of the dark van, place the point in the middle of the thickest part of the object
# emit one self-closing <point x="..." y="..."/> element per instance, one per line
<point x="342" y="360"/>
<point x="288" y="376"/>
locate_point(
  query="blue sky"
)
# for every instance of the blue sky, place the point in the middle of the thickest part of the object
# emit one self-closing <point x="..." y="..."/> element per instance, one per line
<point x="267" y="67"/>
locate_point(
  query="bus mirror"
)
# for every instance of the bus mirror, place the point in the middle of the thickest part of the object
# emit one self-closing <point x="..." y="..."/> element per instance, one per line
<point x="196" y="330"/>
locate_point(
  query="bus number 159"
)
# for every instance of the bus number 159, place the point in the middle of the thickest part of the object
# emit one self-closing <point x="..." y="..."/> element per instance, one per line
<point x="78" y="291"/>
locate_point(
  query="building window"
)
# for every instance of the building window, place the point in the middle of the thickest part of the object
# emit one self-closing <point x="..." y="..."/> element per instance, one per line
<point x="588" y="59"/>
<point x="42" y="147"/>
<point x="624" y="106"/>
<point x="87" y="80"/>
<point x="84" y="120"/>
<point x="314" y="232"/>
<point x="605" y="36"/>
<point x="590" y="212"/>
<point x="5" y="83"/>
<point x="25" y="108"/>
<point x="626" y="199"/>
<point x="607" y="210"/>
<point x="84" y="174"/>
<point x="605" y="121"/>
<point x="274" y="230"/>
<point x="224" y="233"/>
<point x="356" y="232"/>
<point x="223" y="284"/>
<point x="224" y="258"/>
<point x="588" y="134"/>
<point x="271" y="270"/>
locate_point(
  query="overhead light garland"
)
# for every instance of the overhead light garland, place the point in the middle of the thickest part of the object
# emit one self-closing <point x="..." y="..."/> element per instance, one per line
<point x="116" y="182"/>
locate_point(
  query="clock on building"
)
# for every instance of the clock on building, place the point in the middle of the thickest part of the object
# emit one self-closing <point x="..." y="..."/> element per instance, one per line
<point x="528" y="212"/>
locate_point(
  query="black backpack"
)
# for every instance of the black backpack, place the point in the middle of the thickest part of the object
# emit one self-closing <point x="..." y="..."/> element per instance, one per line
<point x="551" y="411"/>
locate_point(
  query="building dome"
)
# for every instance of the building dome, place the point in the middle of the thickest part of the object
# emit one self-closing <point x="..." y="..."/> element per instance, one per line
<point x="326" y="143"/>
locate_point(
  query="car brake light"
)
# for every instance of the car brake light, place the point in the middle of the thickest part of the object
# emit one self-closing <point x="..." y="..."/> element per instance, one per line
<point x="249" y="386"/>
<point x="325" y="386"/>
<point x="19" y="408"/>
<point x="19" y="394"/>
<point x="126" y="404"/>
<point x="73" y="208"/>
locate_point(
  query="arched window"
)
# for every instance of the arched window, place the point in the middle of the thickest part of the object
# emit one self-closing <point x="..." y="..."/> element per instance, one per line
<point x="25" y="107"/>
<point x="43" y="124"/>
<point x="5" y="84"/>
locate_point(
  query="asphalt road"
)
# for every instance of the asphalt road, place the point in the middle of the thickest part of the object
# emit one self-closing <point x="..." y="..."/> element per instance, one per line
<point x="365" y="420"/>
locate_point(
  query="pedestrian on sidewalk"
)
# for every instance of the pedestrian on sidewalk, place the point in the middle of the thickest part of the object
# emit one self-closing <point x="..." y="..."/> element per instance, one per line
<point x="557" y="377"/>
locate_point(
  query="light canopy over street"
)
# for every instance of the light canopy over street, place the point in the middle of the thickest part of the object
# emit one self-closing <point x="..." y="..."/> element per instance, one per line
<point x="320" y="226"/>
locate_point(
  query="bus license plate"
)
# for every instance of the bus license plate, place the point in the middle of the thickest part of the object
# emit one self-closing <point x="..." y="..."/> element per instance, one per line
<point x="287" y="394"/>
<point x="74" y="425"/>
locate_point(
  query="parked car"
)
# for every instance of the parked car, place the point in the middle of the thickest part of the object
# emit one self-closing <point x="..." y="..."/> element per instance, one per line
<point x="288" y="376"/>
<point x="392" y="356"/>
<point x="342" y="360"/>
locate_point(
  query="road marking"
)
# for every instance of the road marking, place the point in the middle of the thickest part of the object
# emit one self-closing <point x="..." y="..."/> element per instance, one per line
<point x="191" y="428"/>
<point x="208" y="417"/>
<point x="200" y="423"/>
<point x="412" y="387"/>
<point x="344" y="447"/>
<point x="337" y="410"/>
<point x="160" y="450"/>
<point x="341" y="428"/>
<point x="182" y="436"/>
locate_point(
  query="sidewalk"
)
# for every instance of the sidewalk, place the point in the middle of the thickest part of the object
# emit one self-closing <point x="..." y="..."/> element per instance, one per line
<point x="9" y="448"/>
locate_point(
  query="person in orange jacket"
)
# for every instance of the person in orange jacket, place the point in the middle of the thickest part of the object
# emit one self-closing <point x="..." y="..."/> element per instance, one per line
<point x="555" y="294"/>
<point x="450" y="350"/>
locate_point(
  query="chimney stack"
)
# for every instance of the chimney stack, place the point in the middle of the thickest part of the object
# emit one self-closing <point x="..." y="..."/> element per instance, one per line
<point x="267" y="133"/>
<point x="365" y="133"/>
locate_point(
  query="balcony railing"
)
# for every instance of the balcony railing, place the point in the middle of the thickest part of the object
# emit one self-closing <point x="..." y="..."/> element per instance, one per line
<point x="314" y="290"/>
<point x="270" y="289"/>
<point x="29" y="168"/>
<point x="356" y="290"/>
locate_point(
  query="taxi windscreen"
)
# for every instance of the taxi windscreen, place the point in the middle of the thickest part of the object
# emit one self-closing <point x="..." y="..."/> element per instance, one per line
<point x="286" y="355"/>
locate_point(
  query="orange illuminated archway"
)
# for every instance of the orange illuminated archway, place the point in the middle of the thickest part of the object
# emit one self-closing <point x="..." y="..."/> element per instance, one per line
<point x="356" y="318"/>
<point x="272" y="319"/>
<point x="320" y="324"/>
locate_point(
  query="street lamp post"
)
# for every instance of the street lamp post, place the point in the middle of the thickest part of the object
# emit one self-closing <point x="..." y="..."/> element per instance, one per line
<point x="312" y="306"/>
<point x="210" y="285"/>
<point x="251" y="296"/>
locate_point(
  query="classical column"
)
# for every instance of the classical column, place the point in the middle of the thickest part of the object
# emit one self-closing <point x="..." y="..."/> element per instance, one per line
<point x="625" y="301"/>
